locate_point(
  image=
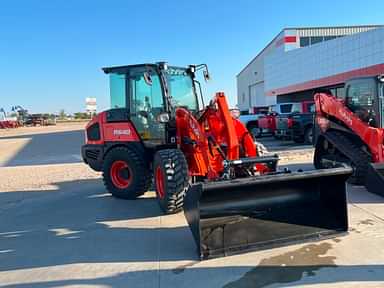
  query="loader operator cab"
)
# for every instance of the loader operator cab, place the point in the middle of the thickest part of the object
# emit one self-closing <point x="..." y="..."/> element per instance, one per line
<point x="364" y="97"/>
<point x="151" y="93"/>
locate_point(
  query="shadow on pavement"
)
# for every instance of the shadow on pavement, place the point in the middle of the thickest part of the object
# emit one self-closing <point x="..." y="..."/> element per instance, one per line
<point x="256" y="277"/>
<point x="49" y="148"/>
<point x="79" y="223"/>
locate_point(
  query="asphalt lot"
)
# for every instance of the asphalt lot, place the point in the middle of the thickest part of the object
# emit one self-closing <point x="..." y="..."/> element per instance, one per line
<point x="59" y="228"/>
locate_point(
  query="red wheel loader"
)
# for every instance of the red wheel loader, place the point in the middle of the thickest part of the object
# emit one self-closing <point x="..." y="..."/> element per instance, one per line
<point x="204" y="160"/>
<point x="351" y="131"/>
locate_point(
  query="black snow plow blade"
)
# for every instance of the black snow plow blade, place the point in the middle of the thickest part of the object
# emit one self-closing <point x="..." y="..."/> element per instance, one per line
<point x="230" y="217"/>
<point x="374" y="181"/>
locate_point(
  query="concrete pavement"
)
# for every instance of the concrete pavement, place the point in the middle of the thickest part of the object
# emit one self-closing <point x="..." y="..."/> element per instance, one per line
<point x="63" y="230"/>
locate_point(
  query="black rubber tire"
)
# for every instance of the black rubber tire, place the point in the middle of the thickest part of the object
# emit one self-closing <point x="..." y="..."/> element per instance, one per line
<point x="351" y="154"/>
<point x="308" y="136"/>
<point x="140" y="173"/>
<point x="255" y="131"/>
<point x="175" y="177"/>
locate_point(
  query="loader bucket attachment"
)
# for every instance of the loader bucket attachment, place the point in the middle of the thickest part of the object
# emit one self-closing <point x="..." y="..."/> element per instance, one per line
<point x="374" y="181"/>
<point x="230" y="217"/>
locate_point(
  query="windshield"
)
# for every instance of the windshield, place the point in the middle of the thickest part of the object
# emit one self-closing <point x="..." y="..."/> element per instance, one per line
<point x="290" y="108"/>
<point x="180" y="86"/>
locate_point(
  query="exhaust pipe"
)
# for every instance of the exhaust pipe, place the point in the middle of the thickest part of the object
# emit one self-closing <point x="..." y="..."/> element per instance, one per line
<point x="246" y="214"/>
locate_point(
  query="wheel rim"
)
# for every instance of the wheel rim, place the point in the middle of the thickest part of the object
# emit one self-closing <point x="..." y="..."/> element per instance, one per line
<point x="121" y="174"/>
<point x="160" y="182"/>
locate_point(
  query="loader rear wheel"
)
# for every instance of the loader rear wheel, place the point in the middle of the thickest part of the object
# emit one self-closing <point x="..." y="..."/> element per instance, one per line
<point x="171" y="179"/>
<point x="340" y="149"/>
<point x="125" y="174"/>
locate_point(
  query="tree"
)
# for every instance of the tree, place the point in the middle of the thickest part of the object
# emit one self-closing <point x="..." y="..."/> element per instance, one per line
<point x="62" y="114"/>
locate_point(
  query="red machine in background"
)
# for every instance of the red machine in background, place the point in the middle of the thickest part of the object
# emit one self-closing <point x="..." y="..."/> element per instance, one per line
<point x="350" y="130"/>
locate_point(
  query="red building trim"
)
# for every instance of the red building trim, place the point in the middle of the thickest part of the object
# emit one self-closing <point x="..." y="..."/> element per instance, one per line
<point x="286" y="40"/>
<point x="329" y="81"/>
<point x="290" y="39"/>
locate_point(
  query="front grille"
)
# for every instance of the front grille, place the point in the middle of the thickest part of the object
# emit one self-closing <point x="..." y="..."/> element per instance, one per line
<point x="92" y="154"/>
<point x="93" y="132"/>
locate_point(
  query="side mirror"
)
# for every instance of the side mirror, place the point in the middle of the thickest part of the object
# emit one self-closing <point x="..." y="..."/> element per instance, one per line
<point x="206" y="75"/>
<point x="163" y="117"/>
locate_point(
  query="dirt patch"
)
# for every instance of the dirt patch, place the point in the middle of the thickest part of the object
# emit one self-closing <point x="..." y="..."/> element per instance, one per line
<point x="367" y="222"/>
<point x="288" y="267"/>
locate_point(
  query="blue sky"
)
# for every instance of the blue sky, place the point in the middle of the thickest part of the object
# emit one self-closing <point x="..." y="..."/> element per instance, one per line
<point x="51" y="52"/>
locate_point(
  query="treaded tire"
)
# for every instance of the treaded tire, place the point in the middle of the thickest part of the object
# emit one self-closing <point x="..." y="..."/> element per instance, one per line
<point x="353" y="154"/>
<point x="139" y="174"/>
<point x="170" y="171"/>
<point x="308" y="135"/>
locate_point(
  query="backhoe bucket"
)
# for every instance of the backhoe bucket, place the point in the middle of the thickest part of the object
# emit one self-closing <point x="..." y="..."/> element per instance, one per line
<point x="230" y="217"/>
<point x="374" y="181"/>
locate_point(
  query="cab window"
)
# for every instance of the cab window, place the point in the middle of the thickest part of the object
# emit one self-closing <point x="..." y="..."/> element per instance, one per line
<point x="146" y="103"/>
<point x="181" y="89"/>
<point x="360" y="95"/>
<point x="117" y="90"/>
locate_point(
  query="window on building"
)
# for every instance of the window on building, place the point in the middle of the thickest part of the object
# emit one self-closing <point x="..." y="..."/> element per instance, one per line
<point x="326" y="38"/>
<point x="243" y="98"/>
<point x="304" y="41"/>
<point x="316" y="39"/>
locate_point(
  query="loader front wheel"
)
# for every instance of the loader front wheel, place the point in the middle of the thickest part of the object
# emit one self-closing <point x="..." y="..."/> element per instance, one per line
<point x="171" y="179"/>
<point x="125" y="174"/>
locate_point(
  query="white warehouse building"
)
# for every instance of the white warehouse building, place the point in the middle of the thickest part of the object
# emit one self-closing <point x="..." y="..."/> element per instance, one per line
<point x="299" y="60"/>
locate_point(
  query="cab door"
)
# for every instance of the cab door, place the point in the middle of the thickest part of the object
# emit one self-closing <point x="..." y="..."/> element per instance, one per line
<point x="362" y="100"/>
<point x="146" y="103"/>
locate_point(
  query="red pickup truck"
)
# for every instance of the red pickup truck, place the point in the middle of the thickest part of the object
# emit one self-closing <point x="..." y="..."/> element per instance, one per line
<point x="267" y="124"/>
<point x="285" y="122"/>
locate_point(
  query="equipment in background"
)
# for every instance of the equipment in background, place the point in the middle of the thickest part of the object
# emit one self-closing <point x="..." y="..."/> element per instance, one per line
<point x="8" y="122"/>
<point x="350" y="131"/>
<point x="160" y="131"/>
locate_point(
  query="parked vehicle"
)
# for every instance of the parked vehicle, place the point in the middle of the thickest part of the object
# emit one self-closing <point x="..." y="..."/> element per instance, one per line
<point x="267" y="124"/>
<point x="297" y="123"/>
<point x="351" y="131"/>
<point x="251" y="121"/>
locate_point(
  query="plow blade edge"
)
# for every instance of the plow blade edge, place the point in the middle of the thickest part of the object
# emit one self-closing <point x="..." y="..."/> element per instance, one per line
<point x="230" y="217"/>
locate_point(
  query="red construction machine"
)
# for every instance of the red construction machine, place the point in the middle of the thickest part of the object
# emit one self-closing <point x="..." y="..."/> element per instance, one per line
<point x="351" y="131"/>
<point x="204" y="160"/>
